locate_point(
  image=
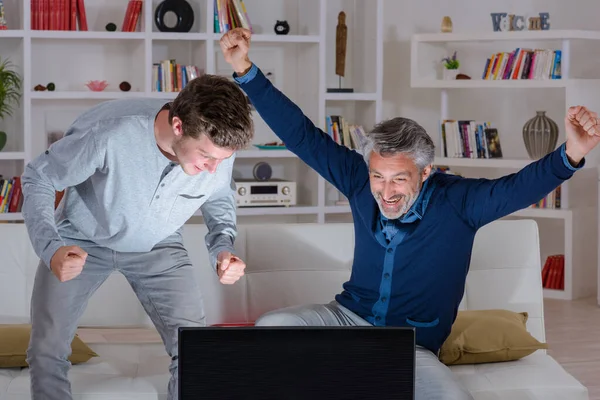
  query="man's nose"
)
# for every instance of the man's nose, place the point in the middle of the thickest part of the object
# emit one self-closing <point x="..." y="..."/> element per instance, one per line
<point x="388" y="192"/>
<point x="211" y="166"/>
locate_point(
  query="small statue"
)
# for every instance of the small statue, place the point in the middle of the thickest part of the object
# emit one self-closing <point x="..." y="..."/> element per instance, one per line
<point x="341" y="39"/>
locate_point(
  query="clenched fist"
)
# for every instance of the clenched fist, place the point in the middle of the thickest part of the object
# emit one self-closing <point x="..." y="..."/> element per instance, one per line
<point x="68" y="262"/>
<point x="583" y="132"/>
<point x="235" y="45"/>
<point x="230" y="268"/>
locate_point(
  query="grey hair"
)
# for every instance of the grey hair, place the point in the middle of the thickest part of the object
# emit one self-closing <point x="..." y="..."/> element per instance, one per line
<point x="400" y="135"/>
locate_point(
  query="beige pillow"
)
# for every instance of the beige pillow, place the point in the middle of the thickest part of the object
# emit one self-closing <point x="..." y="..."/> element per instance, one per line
<point x="14" y="340"/>
<point x="485" y="336"/>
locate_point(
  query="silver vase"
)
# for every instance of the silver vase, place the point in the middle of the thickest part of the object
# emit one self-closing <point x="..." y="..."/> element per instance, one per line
<point x="540" y="135"/>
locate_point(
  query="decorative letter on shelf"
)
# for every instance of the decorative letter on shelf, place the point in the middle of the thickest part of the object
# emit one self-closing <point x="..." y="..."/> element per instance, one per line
<point x="545" y="21"/>
<point x="518" y="23"/>
<point x="534" y="23"/>
<point x="496" y="20"/>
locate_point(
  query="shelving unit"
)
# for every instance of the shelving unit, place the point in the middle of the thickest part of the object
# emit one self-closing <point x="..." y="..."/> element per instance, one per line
<point x="303" y="63"/>
<point x="572" y="229"/>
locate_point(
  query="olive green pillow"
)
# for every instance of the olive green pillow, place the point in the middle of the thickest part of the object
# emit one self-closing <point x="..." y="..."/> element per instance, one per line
<point x="14" y="340"/>
<point x="486" y="336"/>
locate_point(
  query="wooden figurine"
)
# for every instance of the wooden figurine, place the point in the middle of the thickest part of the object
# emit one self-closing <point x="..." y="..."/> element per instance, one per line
<point x="341" y="39"/>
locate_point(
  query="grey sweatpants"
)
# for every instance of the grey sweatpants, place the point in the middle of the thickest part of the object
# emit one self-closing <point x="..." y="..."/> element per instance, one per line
<point x="433" y="380"/>
<point x="163" y="281"/>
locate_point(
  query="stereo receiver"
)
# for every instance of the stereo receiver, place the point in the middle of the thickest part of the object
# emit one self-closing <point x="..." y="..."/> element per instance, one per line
<point x="274" y="192"/>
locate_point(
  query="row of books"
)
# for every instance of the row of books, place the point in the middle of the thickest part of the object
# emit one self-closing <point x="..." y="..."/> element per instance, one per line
<point x="132" y="15"/>
<point x="58" y="15"/>
<point x="11" y="197"/>
<point x="69" y="15"/>
<point x="168" y="76"/>
<point x="524" y="64"/>
<point x="552" y="200"/>
<point x="230" y="14"/>
<point x="469" y="139"/>
<point x="349" y="135"/>
<point x="553" y="273"/>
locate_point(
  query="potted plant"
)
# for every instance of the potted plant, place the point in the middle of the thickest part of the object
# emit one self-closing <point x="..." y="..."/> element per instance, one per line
<point x="451" y="65"/>
<point x="10" y="93"/>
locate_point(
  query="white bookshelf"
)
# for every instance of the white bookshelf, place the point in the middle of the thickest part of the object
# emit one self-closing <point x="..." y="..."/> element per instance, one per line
<point x="563" y="230"/>
<point x="303" y="62"/>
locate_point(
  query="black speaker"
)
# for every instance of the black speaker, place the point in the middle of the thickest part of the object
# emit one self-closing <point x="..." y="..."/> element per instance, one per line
<point x="262" y="171"/>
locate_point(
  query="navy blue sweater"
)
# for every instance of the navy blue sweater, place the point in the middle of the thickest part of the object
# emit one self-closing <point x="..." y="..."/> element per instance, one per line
<point x="418" y="278"/>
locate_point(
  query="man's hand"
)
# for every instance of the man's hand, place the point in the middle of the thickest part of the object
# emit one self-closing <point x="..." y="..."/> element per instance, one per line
<point x="235" y="45"/>
<point x="583" y="132"/>
<point x="67" y="262"/>
<point x="230" y="268"/>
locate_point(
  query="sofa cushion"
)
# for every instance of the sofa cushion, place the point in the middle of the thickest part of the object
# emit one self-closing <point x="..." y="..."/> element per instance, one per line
<point x="537" y="376"/>
<point x="484" y="336"/>
<point x="14" y="340"/>
<point x="122" y="371"/>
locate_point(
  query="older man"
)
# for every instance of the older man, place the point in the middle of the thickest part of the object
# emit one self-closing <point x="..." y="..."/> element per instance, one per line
<point x="414" y="230"/>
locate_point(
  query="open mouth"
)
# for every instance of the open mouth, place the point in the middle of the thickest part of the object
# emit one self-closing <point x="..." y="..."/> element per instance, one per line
<point x="390" y="202"/>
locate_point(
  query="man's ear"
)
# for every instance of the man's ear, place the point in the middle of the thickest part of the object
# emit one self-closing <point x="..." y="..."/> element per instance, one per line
<point x="177" y="126"/>
<point x="426" y="172"/>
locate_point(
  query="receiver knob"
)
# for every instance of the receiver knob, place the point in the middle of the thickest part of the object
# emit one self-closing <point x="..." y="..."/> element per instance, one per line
<point x="242" y="191"/>
<point x="285" y="190"/>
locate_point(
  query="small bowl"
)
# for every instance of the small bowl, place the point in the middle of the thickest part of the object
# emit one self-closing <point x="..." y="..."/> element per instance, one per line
<point x="96" y="86"/>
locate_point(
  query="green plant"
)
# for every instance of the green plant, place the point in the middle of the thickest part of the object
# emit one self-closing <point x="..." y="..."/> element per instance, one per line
<point x="10" y="88"/>
<point x="451" y="62"/>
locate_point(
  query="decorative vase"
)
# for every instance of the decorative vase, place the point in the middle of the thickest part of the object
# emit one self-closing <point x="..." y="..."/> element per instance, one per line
<point x="450" y="74"/>
<point x="281" y="27"/>
<point x="3" y="138"/>
<point x="446" y="24"/>
<point x="183" y="12"/>
<point x="540" y="135"/>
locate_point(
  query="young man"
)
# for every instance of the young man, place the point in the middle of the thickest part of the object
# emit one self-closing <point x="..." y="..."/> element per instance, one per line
<point x="134" y="172"/>
<point x="414" y="230"/>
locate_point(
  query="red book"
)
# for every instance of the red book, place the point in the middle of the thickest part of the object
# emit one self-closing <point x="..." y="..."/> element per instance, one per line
<point x="561" y="275"/>
<point x="545" y="272"/>
<point x="45" y="12"/>
<point x="135" y="13"/>
<point x="73" y="13"/>
<point x="40" y="14"/>
<point x="54" y="10"/>
<point x="126" y="17"/>
<point x="16" y="196"/>
<point x="67" y="15"/>
<point x="82" y="18"/>
<point x="34" y="14"/>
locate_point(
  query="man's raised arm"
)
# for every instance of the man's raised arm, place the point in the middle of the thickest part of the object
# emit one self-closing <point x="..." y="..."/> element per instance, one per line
<point x="338" y="164"/>
<point x="482" y="201"/>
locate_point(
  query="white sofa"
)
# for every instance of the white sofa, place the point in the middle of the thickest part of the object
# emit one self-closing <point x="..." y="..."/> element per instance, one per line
<point x="287" y="265"/>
